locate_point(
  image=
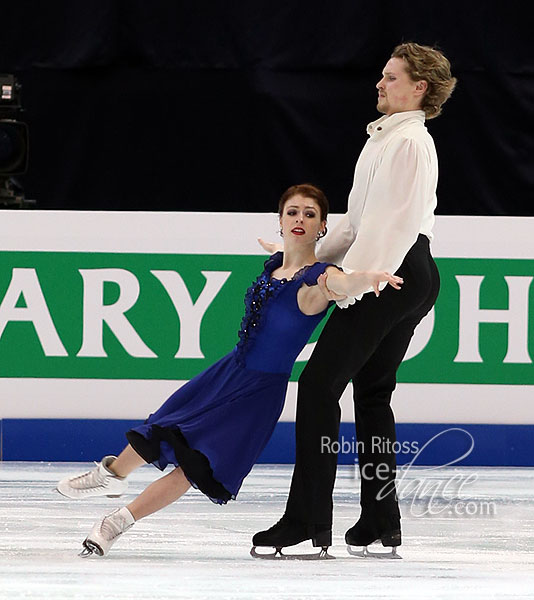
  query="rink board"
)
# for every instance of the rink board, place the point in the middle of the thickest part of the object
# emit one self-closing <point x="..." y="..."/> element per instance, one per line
<point x="103" y="315"/>
<point x="436" y="444"/>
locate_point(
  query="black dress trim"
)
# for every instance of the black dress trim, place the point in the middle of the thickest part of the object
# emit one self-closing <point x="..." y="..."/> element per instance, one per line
<point x="194" y="464"/>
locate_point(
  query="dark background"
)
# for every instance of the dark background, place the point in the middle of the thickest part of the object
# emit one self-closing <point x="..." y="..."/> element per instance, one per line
<point x="214" y="105"/>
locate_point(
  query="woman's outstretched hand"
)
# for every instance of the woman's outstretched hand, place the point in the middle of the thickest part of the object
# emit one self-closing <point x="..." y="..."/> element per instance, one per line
<point x="270" y="247"/>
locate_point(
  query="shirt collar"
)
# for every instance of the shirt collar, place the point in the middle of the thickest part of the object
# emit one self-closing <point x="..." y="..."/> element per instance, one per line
<point x="388" y="122"/>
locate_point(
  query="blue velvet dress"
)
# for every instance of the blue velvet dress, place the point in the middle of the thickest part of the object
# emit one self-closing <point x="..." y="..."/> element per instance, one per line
<point x="216" y="425"/>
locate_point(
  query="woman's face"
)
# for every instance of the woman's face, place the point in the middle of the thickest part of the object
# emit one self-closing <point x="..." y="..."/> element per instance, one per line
<point x="300" y="221"/>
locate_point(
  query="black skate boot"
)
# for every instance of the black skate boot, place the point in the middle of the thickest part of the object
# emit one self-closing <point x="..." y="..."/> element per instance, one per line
<point x="368" y="531"/>
<point x="289" y="532"/>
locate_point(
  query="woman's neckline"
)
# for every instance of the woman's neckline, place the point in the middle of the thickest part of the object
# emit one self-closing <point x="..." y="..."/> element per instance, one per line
<point x="271" y="278"/>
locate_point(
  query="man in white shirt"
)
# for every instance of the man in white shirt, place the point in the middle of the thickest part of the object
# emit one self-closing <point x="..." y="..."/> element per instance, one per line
<point x="388" y="226"/>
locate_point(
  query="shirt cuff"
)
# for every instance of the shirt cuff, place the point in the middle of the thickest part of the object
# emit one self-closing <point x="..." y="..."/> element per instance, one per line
<point x="348" y="301"/>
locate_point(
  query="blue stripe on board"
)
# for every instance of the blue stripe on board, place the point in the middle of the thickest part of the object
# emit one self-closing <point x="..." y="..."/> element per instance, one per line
<point x="90" y="439"/>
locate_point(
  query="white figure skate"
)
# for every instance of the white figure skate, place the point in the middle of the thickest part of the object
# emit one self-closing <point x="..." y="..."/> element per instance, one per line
<point x="100" y="481"/>
<point x="106" y="532"/>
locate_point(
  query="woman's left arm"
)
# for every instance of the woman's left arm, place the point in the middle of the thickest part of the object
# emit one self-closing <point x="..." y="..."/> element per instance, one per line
<point x="311" y="300"/>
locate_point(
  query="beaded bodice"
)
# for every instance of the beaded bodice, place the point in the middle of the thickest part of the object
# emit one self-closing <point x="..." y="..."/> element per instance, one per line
<point x="258" y="295"/>
<point x="273" y="329"/>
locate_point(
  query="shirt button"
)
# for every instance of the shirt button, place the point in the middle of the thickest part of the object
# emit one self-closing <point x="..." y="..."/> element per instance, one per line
<point x="379" y="128"/>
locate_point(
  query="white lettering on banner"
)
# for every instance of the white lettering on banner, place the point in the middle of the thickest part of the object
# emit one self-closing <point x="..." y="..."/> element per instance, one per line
<point x="95" y="313"/>
<point x="421" y="336"/>
<point x="516" y="315"/>
<point x="306" y="352"/>
<point x="26" y="282"/>
<point x="191" y="313"/>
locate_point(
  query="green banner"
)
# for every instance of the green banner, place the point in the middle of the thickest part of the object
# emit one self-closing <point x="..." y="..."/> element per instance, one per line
<point x="484" y="325"/>
<point x="163" y="316"/>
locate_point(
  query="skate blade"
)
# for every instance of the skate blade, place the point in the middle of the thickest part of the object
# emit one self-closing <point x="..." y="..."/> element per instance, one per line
<point x="85" y="553"/>
<point x="365" y="553"/>
<point x="90" y="548"/>
<point x="279" y="555"/>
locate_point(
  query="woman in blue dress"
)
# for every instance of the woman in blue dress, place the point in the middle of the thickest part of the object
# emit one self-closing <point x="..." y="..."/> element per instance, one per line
<point x="214" y="427"/>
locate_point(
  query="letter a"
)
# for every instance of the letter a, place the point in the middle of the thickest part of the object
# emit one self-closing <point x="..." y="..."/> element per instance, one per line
<point x="25" y="282"/>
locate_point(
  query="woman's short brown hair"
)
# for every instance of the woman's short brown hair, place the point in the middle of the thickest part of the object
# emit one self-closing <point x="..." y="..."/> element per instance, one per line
<point x="307" y="190"/>
<point x="428" y="64"/>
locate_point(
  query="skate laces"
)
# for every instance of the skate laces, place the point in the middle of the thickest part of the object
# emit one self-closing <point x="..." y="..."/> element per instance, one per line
<point x="280" y="523"/>
<point x="113" y="525"/>
<point x="90" y="480"/>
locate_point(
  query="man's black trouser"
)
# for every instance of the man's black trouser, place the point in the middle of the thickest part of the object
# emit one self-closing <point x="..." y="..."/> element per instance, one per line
<point x="366" y="343"/>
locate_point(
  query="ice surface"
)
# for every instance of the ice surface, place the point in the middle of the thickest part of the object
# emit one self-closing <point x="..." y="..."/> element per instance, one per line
<point x="195" y="549"/>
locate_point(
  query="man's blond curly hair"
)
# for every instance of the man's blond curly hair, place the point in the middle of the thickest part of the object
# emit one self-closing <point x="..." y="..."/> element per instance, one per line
<point x="428" y="64"/>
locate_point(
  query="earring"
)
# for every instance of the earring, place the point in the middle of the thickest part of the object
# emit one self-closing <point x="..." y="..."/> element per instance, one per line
<point x="281" y="232"/>
<point x="321" y="234"/>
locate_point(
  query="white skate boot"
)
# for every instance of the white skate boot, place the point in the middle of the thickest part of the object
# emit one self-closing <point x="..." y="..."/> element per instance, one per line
<point x="106" y="532"/>
<point x="100" y="481"/>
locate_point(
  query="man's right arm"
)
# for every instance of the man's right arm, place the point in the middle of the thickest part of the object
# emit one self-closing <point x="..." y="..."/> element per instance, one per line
<point x="336" y="243"/>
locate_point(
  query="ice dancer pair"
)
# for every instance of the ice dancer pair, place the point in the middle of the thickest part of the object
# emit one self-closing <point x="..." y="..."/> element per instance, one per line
<point x="213" y="428"/>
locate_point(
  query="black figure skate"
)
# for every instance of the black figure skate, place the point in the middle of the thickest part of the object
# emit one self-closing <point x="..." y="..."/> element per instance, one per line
<point x="288" y="532"/>
<point x="365" y="533"/>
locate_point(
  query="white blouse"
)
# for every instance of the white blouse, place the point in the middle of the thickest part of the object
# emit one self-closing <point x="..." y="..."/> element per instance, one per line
<point x="392" y="200"/>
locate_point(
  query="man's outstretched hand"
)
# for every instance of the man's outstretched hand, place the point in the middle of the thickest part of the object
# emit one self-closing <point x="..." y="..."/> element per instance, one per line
<point x="376" y="277"/>
<point x="357" y="283"/>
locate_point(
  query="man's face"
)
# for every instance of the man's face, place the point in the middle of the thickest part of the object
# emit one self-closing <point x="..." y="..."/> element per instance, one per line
<point x="396" y="90"/>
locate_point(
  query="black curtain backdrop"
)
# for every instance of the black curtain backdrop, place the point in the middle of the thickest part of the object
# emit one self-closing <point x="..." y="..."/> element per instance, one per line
<point x="218" y="105"/>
